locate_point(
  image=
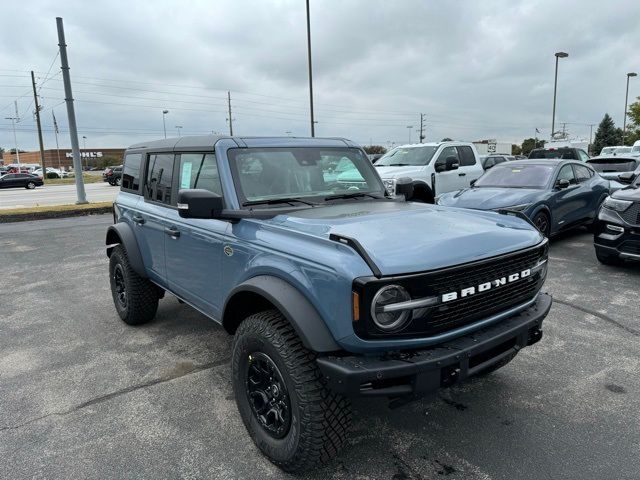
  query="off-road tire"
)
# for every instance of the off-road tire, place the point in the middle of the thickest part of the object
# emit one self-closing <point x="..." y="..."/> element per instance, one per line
<point x="496" y="366"/>
<point x="141" y="295"/>
<point x="320" y="419"/>
<point x="606" y="259"/>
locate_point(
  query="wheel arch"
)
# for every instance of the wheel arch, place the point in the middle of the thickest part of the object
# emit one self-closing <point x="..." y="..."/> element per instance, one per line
<point x="423" y="192"/>
<point x="266" y="292"/>
<point x="122" y="234"/>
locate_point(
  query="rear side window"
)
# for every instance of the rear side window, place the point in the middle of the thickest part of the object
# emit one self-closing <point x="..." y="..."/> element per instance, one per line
<point x="583" y="155"/>
<point x="582" y="173"/>
<point x="566" y="173"/>
<point x="131" y="172"/>
<point x="467" y="158"/>
<point x="199" y="170"/>
<point x="158" y="183"/>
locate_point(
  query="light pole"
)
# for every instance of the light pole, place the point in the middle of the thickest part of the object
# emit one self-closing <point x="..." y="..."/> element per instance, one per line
<point x="164" y="124"/>
<point x="409" y="127"/>
<point x="313" y="130"/>
<point x="626" y="100"/>
<point x="178" y="128"/>
<point x="84" y="147"/>
<point x="555" y="89"/>
<point x="15" y="139"/>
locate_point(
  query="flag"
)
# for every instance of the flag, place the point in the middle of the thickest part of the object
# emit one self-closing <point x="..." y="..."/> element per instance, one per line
<point x="537" y="131"/>
<point x="55" y="124"/>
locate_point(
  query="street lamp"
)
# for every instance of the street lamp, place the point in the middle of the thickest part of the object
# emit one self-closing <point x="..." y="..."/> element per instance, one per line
<point x="626" y="99"/>
<point x="555" y="88"/>
<point x="164" y="124"/>
<point x="178" y="127"/>
<point x="84" y="147"/>
<point x="409" y="127"/>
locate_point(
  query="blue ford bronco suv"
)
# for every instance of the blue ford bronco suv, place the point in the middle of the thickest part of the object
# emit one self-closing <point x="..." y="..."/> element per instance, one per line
<point x="332" y="290"/>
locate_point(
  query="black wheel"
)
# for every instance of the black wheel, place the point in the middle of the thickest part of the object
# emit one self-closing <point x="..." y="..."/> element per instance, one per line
<point x="118" y="181"/>
<point x="542" y="222"/>
<point x="135" y="298"/>
<point x="30" y="185"/>
<point x="607" y="259"/>
<point x="496" y="366"/>
<point x="290" y="414"/>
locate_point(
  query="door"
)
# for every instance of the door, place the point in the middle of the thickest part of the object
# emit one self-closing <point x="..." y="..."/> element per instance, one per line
<point x="470" y="168"/>
<point x="589" y="197"/>
<point x="194" y="256"/>
<point x="150" y="219"/>
<point x="567" y="201"/>
<point x="8" y="180"/>
<point x="450" y="180"/>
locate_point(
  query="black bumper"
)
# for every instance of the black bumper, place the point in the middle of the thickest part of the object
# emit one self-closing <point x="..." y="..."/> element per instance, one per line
<point x="624" y="245"/>
<point x="422" y="371"/>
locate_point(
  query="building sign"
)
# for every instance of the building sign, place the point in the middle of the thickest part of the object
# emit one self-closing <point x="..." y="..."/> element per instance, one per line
<point x="85" y="154"/>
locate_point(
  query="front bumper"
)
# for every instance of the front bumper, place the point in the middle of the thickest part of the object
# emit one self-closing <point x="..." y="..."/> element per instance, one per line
<point x="421" y="371"/>
<point x="624" y="245"/>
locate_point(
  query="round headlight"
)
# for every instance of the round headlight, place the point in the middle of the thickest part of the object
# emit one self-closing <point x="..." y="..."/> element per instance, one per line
<point x="391" y="320"/>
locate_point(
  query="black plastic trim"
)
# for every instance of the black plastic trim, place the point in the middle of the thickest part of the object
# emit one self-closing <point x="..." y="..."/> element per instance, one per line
<point x="128" y="240"/>
<point x="360" y="250"/>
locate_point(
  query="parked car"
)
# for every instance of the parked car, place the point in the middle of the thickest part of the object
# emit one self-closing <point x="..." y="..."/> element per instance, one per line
<point x="564" y="153"/>
<point x="434" y="168"/>
<point x="520" y="157"/>
<point x="115" y="176"/>
<point x="60" y="173"/>
<point x="493" y="160"/>
<point x="107" y="172"/>
<point x="611" y="167"/>
<point x="635" y="150"/>
<point x="555" y="195"/>
<point x="330" y="293"/>
<point x="24" y="180"/>
<point x="621" y="151"/>
<point x="617" y="231"/>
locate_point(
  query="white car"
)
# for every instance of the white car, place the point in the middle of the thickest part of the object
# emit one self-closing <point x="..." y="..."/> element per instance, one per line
<point x="635" y="150"/>
<point x="608" y="151"/>
<point x="61" y="173"/>
<point x="435" y="168"/>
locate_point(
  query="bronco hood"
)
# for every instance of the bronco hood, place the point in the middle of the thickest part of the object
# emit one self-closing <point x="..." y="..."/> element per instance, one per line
<point x="404" y="237"/>
<point x="487" y="198"/>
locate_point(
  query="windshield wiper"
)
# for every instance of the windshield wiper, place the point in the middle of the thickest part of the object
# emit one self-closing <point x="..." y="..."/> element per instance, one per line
<point x="275" y="201"/>
<point x="352" y="195"/>
<point x="394" y="165"/>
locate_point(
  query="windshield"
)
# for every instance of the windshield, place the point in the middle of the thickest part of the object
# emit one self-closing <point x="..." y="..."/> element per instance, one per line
<point x="565" y="153"/>
<point x="622" y="150"/>
<point x="516" y="176"/>
<point x="405" y="156"/>
<point x="613" y="164"/>
<point x="636" y="149"/>
<point x="607" y="150"/>
<point x="264" y="175"/>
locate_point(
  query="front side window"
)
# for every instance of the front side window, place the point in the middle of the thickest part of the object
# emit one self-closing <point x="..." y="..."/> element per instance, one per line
<point x="566" y="173"/>
<point x="407" y="156"/>
<point x="199" y="170"/>
<point x="158" y="183"/>
<point x="130" y="172"/>
<point x="467" y="158"/>
<point x="272" y="174"/>
<point x="446" y="153"/>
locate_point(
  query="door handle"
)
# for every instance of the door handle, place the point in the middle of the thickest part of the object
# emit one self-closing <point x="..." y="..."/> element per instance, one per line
<point x="173" y="232"/>
<point x="461" y="174"/>
<point x="137" y="219"/>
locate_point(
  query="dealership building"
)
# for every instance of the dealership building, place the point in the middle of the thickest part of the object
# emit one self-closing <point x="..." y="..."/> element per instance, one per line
<point x="63" y="158"/>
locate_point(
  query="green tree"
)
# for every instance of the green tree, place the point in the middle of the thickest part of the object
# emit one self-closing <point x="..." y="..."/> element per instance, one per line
<point x="516" y="149"/>
<point x="633" y="126"/>
<point x="607" y="134"/>
<point x="529" y="144"/>
<point x="373" y="149"/>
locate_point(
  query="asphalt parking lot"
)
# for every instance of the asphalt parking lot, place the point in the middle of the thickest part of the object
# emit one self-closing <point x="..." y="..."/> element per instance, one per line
<point x="55" y="195"/>
<point x="82" y="395"/>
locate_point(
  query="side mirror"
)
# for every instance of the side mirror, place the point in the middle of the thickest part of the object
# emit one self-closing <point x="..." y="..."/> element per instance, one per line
<point x="473" y="182"/>
<point x="626" y="177"/>
<point x="198" y="203"/>
<point x="404" y="186"/>
<point x="451" y="163"/>
<point x="562" y="183"/>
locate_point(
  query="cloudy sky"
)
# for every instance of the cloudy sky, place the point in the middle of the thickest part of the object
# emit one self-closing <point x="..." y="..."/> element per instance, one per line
<point x="475" y="69"/>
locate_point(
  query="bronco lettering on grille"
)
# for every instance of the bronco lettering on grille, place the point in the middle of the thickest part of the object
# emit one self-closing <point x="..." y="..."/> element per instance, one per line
<point x="483" y="287"/>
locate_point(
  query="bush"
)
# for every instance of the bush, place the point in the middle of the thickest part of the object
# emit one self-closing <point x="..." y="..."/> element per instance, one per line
<point x="52" y="175"/>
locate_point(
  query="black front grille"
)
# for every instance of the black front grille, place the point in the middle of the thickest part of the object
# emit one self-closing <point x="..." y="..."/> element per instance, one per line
<point x="632" y="214"/>
<point x="464" y="310"/>
<point x="630" y="246"/>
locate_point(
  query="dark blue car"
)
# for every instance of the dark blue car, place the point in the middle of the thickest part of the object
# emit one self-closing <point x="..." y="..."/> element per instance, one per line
<point x="555" y="194"/>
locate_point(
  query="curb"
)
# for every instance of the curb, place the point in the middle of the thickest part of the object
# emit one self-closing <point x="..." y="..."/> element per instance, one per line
<point x="25" y="217"/>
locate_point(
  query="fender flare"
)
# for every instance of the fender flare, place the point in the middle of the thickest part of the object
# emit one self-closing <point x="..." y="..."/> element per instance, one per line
<point x="122" y="234"/>
<point x="295" y="307"/>
<point x="420" y="184"/>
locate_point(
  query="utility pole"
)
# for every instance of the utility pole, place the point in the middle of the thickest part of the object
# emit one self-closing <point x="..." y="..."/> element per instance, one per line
<point x="313" y="126"/>
<point x="55" y="130"/>
<point x="230" y="119"/>
<point x="564" y="126"/>
<point x="73" y="131"/>
<point x="15" y="139"/>
<point x="35" y="100"/>
<point x="422" y="135"/>
<point x="590" y="136"/>
<point x="626" y="101"/>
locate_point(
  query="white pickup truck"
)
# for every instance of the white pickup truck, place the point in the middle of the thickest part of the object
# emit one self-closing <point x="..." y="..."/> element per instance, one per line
<point x="435" y="168"/>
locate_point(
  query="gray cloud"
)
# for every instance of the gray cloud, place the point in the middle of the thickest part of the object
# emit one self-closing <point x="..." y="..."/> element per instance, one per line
<point x="476" y="69"/>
